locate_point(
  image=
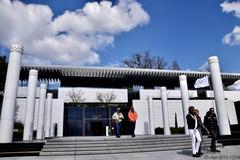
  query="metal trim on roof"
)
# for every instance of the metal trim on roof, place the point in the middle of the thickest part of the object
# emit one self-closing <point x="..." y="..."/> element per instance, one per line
<point x="109" y="72"/>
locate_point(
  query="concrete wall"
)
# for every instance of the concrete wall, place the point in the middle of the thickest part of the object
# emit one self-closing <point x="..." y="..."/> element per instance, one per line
<point x="231" y="95"/>
<point x="20" y="111"/>
<point x="90" y="94"/>
<point x="144" y="93"/>
<point x="175" y="106"/>
<point x="142" y="124"/>
<point x="22" y="92"/>
<point x="141" y="106"/>
<point x="57" y="114"/>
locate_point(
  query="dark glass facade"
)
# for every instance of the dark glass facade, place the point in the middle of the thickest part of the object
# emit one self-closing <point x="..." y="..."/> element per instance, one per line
<point x="91" y="119"/>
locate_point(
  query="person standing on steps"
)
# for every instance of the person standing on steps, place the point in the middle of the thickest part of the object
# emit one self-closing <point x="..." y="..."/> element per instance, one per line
<point x="118" y="117"/>
<point x="200" y="127"/>
<point x="132" y="116"/>
<point x="193" y="131"/>
<point x="210" y="121"/>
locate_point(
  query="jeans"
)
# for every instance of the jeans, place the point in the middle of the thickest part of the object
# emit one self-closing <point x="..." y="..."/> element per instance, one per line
<point x="118" y="129"/>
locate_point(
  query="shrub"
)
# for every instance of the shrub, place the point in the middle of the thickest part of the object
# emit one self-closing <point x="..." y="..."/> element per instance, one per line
<point x="159" y="130"/>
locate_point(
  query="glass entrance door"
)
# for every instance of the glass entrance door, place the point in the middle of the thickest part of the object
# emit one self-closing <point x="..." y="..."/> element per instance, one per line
<point x="96" y="128"/>
<point x="96" y="120"/>
<point x="90" y="120"/>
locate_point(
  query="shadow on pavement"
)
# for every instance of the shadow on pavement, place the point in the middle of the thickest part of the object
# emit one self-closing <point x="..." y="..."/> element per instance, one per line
<point x="186" y="152"/>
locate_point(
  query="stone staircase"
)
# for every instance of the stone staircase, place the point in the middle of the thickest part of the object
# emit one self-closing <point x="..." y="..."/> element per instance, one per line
<point x="111" y="145"/>
<point x="17" y="149"/>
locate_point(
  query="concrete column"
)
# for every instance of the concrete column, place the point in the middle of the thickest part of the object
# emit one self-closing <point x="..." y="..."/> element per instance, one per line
<point x="41" y="111"/>
<point x="185" y="99"/>
<point x="10" y="94"/>
<point x="152" y="126"/>
<point x="48" y="121"/>
<point x="150" y="116"/>
<point x="52" y="125"/>
<point x="224" y="127"/>
<point x="30" y="106"/>
<point x="165" y="111"/>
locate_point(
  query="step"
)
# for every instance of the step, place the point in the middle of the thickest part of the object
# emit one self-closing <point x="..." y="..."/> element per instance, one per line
<point x="93" y="152"/>
<point x="116" y="141"/>
<point x="105" y="145"/>
<point x="110" y="143"/>
<point x="109" y="147"/>
<point x="103" y="138"/>
<point x="112" y="140"/>
<point x="20" y="153"/>
<point x="20" y="149"/>
<point x="85" y="144"/>
<point x="136" y="149"/>
<point x="113" y="144"/>
<point x="113" y="147"/>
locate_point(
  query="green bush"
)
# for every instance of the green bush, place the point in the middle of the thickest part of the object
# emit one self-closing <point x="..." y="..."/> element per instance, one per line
<point x="179" y="130"/>
<point x="18" y="131"/>
<point x="159" y="130"/>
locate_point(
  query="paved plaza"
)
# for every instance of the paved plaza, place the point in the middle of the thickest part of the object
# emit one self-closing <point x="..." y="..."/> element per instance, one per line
<point x="227" y="153"/>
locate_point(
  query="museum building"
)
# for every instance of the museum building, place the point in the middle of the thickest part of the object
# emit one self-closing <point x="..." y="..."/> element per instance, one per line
<point x="80" y="101"/>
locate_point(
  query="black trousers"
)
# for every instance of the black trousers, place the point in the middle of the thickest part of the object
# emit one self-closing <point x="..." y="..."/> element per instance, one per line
<point x="213" y="133"/>
<point x="132" y="128"/>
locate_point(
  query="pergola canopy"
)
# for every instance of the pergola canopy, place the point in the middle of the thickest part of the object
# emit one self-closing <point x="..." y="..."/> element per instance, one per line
<point x="83" y="76"/>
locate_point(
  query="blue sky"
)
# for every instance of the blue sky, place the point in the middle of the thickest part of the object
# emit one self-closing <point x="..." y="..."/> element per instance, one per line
<point x="187" y="31"/>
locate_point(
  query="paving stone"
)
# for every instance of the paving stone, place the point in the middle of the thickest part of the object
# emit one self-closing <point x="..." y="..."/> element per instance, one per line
<point x="227" y="153"/>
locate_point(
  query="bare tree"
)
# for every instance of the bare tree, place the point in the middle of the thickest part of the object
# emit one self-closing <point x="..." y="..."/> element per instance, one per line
<point x="174" y="65"/>
<point x="18" y="113"/>
<point x="76" y="96"/>
<point x="145" y="60"/>
<point x="160" y="63"/>
<point x="106" y="97"/>
<point x="139" y="60"/>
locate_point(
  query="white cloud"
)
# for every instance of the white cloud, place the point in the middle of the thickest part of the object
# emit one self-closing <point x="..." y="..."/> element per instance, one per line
<point x="231" y="7"/>
<point x="71" y="38"/>
<point x="232" y="38"/>
<point x="115" y="64"/>
<point x="204" y="67"/>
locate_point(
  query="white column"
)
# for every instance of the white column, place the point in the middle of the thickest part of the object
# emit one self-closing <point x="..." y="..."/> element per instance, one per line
<point x="10" y="94"/>
<point x="41" y="111"/>
<point x="165" y="111"/>
<point x="224" y="127"/>
<point x="30" y="106"/>
<point x="185" y="99"/>
<point x="150" y="116"/>
<point x="152" y="127"/>
<point x="48" y="121"/>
